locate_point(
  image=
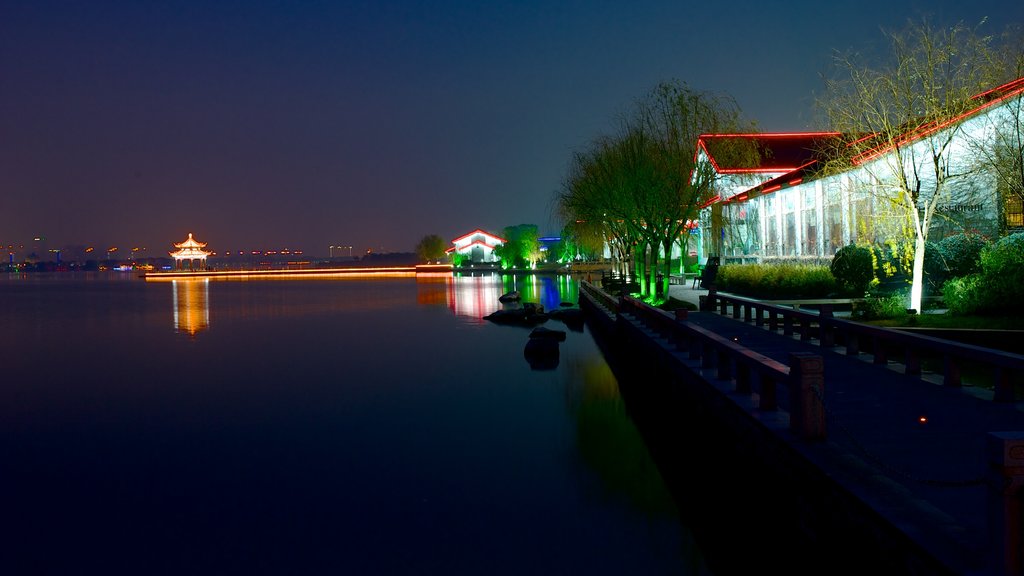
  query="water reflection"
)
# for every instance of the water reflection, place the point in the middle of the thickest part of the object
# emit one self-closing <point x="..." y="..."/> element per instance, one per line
<point x="610" y="443"/>
<point x="476" y="295"/>
<point x="191" y="305"/>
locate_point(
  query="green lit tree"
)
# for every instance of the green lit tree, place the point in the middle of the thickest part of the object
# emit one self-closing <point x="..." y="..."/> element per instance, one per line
<point x="521" y="248"/>
<point x="642" y="185"/>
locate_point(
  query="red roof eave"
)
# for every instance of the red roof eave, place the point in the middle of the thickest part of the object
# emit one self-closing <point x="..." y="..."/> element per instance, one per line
<point x="479" y="231"/>
<point x="1010" y="89"/>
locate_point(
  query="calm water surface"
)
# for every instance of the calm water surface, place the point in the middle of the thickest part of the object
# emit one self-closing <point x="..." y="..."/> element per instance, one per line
<point x="344" y="426"/>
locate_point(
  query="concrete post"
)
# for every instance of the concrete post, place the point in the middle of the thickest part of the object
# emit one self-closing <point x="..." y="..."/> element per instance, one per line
<point x="1006" y="492"/>
<point x="807" y="390"/>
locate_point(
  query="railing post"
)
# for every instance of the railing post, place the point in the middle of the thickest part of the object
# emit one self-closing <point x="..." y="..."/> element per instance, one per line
<point x="852" y="343"/>
<point x="879" y="354"/>
<point x="742" y="377"/>
<point x="724" y="364"/>
<point x="825" y="335"/>
<point x="951" y="371"/>
<point x="1006" y="485"/>
<point x="678" y="332"/>
<point x="707" y="354"/>
<point x="768" y="399"/>
<point x="710" y="300"/>
<point x="805" y="328"/>
<point x="1003" y="385"/>
<point x="807" y="394"/>
<point x="912" y="362"/>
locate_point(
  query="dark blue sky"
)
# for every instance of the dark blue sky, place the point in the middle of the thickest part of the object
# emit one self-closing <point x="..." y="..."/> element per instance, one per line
<point x="266" y="125"/>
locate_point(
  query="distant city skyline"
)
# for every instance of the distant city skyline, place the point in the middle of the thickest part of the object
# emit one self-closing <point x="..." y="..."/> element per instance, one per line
<point x="370" y="124"/>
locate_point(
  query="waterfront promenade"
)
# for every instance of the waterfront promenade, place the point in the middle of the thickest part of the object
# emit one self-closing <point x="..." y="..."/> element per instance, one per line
<point x="918" y="455"/>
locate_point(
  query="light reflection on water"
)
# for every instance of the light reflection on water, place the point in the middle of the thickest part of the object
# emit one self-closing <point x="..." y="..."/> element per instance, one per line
<point x="353" y="426"/>
<point x="191" y="305"/>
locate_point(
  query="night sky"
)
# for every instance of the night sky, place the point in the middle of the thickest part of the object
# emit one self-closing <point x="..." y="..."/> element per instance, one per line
<point x="300" y="125"/>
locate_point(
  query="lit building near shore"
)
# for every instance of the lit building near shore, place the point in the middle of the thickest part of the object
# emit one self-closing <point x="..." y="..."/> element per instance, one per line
<point x="789" y="208"/>
<point x="190" y="251"/>
<point x="477" y="246"/>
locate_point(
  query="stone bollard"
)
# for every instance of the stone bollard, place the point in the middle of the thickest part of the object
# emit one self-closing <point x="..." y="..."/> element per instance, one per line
<point x="1006" y="501"/>
<point x="807" y="393"/>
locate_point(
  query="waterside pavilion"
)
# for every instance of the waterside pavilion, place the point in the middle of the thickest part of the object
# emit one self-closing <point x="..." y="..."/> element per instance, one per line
<point x="190" y="250"/>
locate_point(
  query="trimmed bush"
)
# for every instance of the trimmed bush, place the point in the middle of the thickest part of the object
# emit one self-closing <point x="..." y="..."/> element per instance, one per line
<point x="853" y="269"/>
<point x="776" y="281"/>
<point x="962" y="254"/>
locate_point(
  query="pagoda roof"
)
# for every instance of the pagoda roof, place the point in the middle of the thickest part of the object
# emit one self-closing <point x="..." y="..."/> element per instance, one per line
<point x="190" y="243"/>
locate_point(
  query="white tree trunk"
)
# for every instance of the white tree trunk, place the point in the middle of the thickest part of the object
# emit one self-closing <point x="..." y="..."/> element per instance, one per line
<point x="917" y="278"/>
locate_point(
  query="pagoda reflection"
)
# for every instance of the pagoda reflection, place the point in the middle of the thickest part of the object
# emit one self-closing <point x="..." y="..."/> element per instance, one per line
<point x="191" y="305"/>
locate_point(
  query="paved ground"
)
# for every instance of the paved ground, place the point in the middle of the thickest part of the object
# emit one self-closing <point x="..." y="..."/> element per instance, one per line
<point x="920" y="448"/>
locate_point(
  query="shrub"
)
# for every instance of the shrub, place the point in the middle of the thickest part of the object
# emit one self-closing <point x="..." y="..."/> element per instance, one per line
<point x="963" y="295"/>
<point x="853" y="268"/>
<point x="1002" y="272"/>
<point x="776" y="281"/>
<point x="998" y="288"/>
<point x="962" y="254"/>
<point x="882" y="307"/>
<point x="935" y="272"/>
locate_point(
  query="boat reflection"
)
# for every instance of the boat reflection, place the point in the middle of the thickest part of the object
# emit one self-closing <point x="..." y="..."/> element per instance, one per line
<point x="191" y="305"/>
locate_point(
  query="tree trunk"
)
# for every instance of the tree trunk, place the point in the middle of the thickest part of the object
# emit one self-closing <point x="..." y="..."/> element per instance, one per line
<point x="652" y="272"/>
<point x="668" y="269"/>
<point x="917" y="278"/>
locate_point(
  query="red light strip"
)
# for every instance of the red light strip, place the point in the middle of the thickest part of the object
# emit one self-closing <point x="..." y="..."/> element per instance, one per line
<point x="479" y="231"/>
<point x="933" y="127"/>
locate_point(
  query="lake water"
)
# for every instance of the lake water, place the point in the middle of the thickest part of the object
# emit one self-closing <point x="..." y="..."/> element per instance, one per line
<point x="330" y="426"/>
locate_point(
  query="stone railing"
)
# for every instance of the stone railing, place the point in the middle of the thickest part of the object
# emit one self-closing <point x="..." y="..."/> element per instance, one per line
<point x="881" y="343"/>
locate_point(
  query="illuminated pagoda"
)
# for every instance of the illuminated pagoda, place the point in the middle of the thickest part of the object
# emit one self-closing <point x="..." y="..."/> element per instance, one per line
<point x="190" y="250"/>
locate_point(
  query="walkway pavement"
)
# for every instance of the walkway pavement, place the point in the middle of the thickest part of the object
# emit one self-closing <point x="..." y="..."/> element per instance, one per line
<point x="920" y="449"/>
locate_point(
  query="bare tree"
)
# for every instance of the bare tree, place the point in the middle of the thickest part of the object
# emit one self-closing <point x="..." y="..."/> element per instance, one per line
<point x="1000" y="147"/>
<point x="901" y="118"/>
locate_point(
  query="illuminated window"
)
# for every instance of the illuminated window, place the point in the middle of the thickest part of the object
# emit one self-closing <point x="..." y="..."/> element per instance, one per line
<point x="1014" y="211"/>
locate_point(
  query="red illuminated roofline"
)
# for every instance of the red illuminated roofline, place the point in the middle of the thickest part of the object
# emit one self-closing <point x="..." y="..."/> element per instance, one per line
<point x="754" y="136"/>
<point x="479" y="231"/>
<point x="470" y="245"/>
<point x="767" y="135"/>
<point x="933" y="127"/>
<point x="1011" y="85"/>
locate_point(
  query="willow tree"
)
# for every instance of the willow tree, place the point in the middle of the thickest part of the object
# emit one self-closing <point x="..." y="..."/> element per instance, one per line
<point x="643" y="183"/>
<point x="673" y="116"/>
<point x="900" y="117"/>
<point x="592" y="194"/>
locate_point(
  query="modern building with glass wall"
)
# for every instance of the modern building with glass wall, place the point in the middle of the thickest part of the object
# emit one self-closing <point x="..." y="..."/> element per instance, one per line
<point x="789" y="207"/>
